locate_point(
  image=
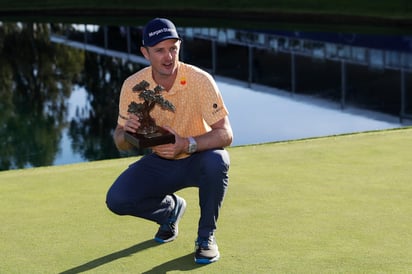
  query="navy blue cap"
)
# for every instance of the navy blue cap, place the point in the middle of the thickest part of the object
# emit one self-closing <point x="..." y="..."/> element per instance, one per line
<point x="157" y="30"/>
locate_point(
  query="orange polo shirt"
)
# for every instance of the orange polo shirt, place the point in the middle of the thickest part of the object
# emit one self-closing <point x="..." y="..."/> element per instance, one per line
<point x="194" y="93"/>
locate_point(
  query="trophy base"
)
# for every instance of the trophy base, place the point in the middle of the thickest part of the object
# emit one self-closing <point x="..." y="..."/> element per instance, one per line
<point x="160" y="137"/>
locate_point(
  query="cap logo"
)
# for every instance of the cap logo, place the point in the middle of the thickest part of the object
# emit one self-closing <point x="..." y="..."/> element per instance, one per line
<point x="157" y="32"/>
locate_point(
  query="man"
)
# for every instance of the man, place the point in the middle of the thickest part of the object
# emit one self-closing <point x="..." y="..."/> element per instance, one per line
<point x="197" y="158"/>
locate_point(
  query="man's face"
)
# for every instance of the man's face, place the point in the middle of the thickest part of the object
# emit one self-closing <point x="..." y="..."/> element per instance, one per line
<point x="163" y="57"/>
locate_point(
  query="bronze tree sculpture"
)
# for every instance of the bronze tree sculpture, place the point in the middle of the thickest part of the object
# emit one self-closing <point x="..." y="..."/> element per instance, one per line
<point x="149" y="133"/>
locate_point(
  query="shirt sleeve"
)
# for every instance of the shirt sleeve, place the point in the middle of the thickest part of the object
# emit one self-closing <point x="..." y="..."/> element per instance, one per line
<point x="213" y="107"/>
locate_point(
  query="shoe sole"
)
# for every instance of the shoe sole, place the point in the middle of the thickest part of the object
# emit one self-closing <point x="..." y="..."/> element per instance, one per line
<point x="207" y="261"/>
<point x="181" y="212"/>
<point x="161" y="241"/>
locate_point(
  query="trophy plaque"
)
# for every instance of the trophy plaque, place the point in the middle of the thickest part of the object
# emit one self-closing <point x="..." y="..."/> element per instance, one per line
<point x="149" y="134"/>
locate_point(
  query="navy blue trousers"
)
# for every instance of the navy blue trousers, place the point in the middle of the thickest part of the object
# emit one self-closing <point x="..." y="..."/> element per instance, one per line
<point x="144" y="189"/>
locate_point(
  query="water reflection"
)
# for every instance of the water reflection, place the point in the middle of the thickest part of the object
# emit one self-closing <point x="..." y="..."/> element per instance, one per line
<point x="103" y="76"/>
<point x="38" y="74"/>
<point x="370" y="71"/>
<point x="36" y="79"/>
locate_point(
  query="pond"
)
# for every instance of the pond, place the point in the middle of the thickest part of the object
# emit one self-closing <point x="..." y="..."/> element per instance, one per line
<point x="59" y="100"/>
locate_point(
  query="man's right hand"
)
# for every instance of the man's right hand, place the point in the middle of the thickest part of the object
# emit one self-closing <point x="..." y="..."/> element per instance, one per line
<point x="132" y="124"/>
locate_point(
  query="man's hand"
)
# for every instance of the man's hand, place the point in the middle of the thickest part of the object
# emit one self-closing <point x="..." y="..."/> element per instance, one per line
<point x="132" y="124"/>
<point x="171" y="151"/>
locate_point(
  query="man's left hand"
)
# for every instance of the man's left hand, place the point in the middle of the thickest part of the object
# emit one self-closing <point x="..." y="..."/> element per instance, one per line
<point x="171" y="151"/>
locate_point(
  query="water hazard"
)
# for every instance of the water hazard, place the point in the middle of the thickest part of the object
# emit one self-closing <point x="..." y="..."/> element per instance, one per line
<point x="59" y="101"/>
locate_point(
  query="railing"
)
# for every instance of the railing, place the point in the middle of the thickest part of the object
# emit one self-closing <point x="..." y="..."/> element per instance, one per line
<point x="335" y="51"/>
<point x="378" y="56"/>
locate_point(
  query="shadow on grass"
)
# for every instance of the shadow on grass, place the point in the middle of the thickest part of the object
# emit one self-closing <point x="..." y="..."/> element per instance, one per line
<point x="111" y="257"/>
<point x="184" y="263"/>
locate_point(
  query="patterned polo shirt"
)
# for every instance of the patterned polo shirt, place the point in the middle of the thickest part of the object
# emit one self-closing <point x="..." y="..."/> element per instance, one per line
<point x="194" y="93"/>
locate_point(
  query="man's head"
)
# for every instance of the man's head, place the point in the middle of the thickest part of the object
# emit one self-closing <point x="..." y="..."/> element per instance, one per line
<point x="158" y="30"/>
<point x="161" y="46"/>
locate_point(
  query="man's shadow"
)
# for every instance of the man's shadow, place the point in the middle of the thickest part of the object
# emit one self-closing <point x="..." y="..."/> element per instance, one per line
<point x="182" y="263"/>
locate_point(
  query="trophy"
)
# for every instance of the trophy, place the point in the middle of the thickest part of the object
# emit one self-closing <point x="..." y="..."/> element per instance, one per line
<point x="149" y="134"/>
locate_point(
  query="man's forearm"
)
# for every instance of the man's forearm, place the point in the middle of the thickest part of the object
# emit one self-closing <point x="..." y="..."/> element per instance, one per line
<point x="214" y="139"/>
<point x="221" y="135"/>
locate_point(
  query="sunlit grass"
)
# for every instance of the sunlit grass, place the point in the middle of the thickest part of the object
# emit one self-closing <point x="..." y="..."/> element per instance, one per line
<point x="337" y="204"/>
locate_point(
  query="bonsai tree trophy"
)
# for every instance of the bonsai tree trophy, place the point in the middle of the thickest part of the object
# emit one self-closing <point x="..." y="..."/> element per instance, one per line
<point x="149" y="134"/>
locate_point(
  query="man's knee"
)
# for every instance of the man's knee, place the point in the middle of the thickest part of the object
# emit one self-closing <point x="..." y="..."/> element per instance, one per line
<point x="217" y="161"/>
<point x="115" y="205"/>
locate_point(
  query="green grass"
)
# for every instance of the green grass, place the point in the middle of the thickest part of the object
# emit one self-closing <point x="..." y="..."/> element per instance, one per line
<point x="340" y="204"/>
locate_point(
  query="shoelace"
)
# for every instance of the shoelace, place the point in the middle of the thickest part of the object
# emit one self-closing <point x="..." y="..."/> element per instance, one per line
<point x="205" y="242"/>
<point x="168" y="227"/>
